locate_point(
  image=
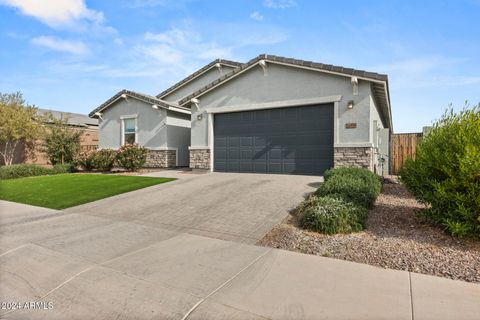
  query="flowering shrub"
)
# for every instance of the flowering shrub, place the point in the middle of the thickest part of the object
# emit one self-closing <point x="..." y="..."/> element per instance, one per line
<point x="104" y="159"/>
<point x="84" y="159"/>
<point x="131" y="157"/>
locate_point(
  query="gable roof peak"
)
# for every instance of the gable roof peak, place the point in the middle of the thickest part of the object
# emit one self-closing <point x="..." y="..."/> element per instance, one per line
<point x="197" y="73"/>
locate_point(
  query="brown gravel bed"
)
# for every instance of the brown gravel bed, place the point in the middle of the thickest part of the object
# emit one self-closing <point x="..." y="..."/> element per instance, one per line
<point x="394" y="238"/>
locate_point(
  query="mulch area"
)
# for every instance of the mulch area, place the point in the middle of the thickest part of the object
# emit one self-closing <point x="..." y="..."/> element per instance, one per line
<point x="395" y="237"/>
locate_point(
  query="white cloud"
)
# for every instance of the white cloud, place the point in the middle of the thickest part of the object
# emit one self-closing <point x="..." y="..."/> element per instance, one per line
<point x="279" y="4"/>
<point x="181" y="48"/>
<point x="255" y="15"/>
<point x="56" y="13"/>
<point x="76" y="47"/>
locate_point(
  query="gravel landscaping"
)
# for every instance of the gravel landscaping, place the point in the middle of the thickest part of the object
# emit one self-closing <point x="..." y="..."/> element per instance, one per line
<point x="394" y="238"/>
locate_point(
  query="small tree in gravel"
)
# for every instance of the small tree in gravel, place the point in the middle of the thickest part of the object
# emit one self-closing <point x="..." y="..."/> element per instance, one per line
<point x="18" y="125"/>
<point x="446" y="172"/>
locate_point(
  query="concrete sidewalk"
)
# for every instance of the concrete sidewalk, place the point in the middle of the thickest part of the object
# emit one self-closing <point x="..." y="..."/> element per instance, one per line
<point x="89" y="267"/>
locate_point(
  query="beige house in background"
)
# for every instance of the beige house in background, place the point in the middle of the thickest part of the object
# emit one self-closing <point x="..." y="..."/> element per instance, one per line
<point x="89" y="139"/>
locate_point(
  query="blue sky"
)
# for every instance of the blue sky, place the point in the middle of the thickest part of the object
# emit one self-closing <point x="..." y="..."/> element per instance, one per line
<point x="72" y="55"/>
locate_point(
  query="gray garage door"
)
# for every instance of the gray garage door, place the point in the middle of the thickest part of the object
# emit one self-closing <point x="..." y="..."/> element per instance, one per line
<point x="295" y="140"/>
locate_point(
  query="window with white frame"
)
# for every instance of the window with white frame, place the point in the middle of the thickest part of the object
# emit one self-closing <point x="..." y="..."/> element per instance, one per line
<point x="129" y="131"/>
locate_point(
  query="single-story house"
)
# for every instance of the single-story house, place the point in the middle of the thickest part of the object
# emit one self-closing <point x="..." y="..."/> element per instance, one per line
<point x="269" y="115"/>
<point x="88" y="140"/>
<point x="157" y="123"/>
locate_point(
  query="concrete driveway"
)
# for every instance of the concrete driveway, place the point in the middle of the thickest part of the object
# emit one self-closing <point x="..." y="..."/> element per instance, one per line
<point x="132" y="257"/>
<point x="229" y="206"/>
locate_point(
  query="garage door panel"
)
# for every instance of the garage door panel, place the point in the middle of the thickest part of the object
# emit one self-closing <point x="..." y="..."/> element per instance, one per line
<point x="260" y="154"/>
<point x="260" y="141"/>
<point x="275" y="168"/>
<point x="233" y="142"/>
<point x="246" y="154"/>
<point x="221" y="154"/>
<point x="297" y="140"/>
<point x="246" y="141"/>
<point x="275" y="154"/>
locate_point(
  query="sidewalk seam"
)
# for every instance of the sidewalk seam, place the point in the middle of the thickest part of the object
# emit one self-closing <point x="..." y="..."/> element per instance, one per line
<point x="189" y="312"/>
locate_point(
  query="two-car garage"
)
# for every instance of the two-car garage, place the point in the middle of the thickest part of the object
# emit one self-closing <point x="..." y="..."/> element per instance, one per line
<point x="291" y="140"/>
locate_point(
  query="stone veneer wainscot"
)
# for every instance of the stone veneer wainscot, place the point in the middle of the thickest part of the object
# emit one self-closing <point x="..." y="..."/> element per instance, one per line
<point x="200" y="158"/>
<point x="161" y="159"/>
<point x="354" y="157"/>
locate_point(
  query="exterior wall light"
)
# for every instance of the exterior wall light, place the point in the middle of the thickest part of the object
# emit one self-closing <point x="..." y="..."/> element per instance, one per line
<point x="350" y="105"/>
<point x="154" y="106"/>
<point x="200" y="117"/>
<point x="124" y="96"/>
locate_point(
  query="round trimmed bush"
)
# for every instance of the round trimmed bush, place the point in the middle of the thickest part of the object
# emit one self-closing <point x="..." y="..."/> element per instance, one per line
<point x="350" y="189"/>
<point x="104" y="159"/>
<point x="366" y="175"/>
<point x="329" y="215"/>
<point x="446" y="172"/>
<point x="132" y="157"/>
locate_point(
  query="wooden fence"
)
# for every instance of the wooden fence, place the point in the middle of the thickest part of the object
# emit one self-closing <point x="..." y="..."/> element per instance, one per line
<point x="402" y="147"/>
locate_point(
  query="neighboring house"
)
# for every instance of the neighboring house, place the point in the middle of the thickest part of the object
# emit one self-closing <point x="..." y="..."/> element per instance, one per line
<point x="278" y="115"/>
<point x="88" y="140"/>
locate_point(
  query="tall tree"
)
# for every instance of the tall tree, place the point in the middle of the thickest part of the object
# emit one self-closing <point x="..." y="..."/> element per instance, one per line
<point x="18" y="125"/>
<point x="61" y="141"/>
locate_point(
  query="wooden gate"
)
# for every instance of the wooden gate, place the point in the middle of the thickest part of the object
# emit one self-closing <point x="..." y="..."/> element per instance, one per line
<point x="402" y="147"/>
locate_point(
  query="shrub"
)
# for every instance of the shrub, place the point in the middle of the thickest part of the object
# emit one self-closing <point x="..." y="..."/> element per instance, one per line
<point x="329" y="215"/>
<point x="350" y="189"/>
<point x="366" y="175"/>
<point x="104" y="159"/>
<point x="63" y="168"/>
<point x="85" y="160"/>
<point x="131" y="157"/>
<point x="23" y="170"/>
<point x="446" y="172"/>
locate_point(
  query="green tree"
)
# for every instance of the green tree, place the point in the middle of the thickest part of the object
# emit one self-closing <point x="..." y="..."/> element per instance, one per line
<point x="18" y="126"/>
<point x="61" y="142"/>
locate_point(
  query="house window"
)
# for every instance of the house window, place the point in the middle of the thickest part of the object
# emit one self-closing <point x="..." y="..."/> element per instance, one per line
<point x="129" y="131"/>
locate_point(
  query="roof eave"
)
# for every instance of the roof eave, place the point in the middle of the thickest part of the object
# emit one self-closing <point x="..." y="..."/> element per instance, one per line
<point x="197" y="74"/>
<point x="141" y="97"/>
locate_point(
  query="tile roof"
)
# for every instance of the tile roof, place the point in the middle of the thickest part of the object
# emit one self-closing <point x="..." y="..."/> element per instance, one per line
<point x="144" y="97"/>
<point x="294" y="62"/>
<point x="196" y="74"/>
<point x="73" y="119"/>
<point x="381" y="93"/>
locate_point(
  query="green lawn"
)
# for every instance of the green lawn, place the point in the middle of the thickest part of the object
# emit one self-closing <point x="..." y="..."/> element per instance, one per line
<point x="68" y="190"/>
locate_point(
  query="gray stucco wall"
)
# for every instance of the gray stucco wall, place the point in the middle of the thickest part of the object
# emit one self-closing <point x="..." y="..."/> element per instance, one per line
<point x="151" y="124"/>
<point x="178" y="136"/>
<point x="197" y="83"/>
<point x="380" y="142"/>
<point x="157" y="129"/>
<point x="288" y="83"/>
